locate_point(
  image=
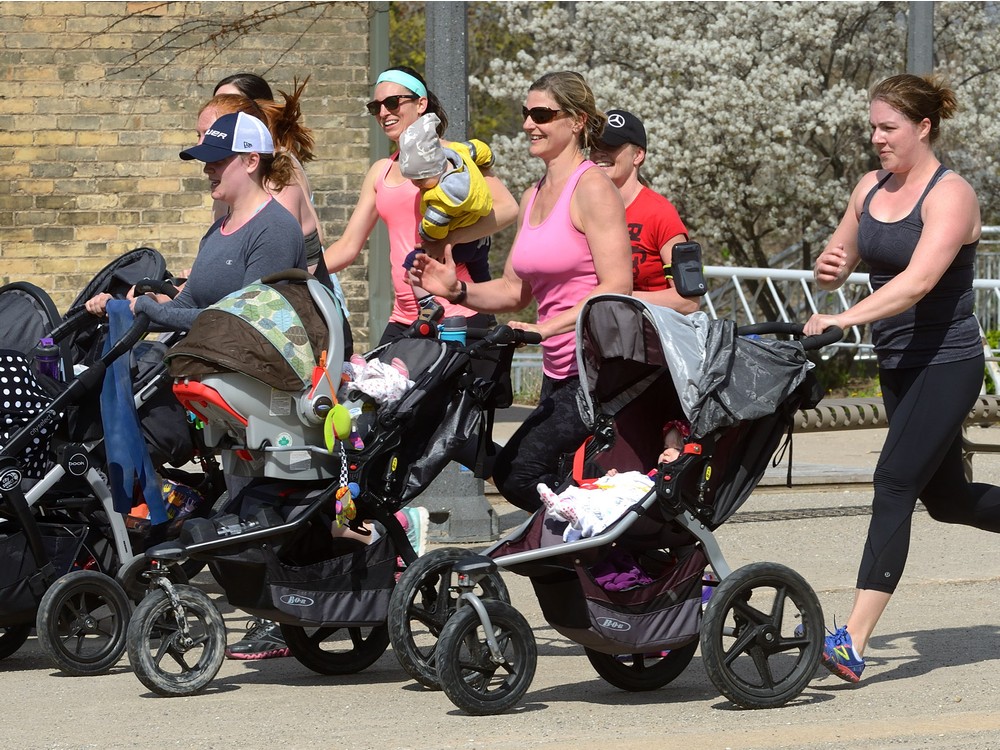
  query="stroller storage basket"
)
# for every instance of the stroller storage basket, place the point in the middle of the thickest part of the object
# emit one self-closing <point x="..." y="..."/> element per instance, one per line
<point x="661" y="614"/>
<point x="351" y="589"/>
<point x="21" y="584"/>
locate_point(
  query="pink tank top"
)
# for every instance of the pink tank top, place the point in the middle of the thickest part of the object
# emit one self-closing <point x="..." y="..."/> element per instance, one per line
<point x="399" y="207"/>
<point x="554" y="259"/>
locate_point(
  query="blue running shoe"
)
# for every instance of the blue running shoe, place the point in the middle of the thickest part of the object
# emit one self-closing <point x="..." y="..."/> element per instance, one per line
<point x="840" y="657"/>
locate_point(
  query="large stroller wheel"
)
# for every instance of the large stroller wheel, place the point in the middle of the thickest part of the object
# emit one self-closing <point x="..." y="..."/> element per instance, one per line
<point x="469" y="675"/>
<point x="176" y="652"/>
<point x="336" y="650"/>
<point x="12" y="637"/>
<point x="640" y="672"/>
<point x="82" y="621"/>
<point x="748" y="639"/>
<point x="421" y="604"/>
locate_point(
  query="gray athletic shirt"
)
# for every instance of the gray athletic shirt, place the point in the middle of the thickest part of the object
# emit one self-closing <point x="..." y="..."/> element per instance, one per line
<point x="271" y="241"/>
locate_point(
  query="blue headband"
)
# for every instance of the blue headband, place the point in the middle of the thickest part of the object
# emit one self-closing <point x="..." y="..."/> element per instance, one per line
<point x="403" y="79"/>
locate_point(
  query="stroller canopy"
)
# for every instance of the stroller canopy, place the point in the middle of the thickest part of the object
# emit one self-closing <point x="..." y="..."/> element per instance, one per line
<point x="271" y="332"/>
<point x="720" y="378"/>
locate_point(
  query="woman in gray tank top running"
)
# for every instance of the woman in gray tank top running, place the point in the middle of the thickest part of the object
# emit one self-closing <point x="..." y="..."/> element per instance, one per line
<point x="916" y="224"/>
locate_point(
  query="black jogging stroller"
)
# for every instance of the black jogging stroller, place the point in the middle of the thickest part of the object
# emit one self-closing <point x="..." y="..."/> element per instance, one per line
<point x="68" y="553"/>
<point x="263" y="370"/>
<point x="642" y="367"/>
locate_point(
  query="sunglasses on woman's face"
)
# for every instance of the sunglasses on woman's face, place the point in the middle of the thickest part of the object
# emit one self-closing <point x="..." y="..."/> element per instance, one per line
<point x="540" y="115"/>
<point x="391" y="103"/>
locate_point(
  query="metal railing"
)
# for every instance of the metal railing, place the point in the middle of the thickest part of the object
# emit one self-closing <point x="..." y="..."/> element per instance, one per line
<point x="751" y="295"/>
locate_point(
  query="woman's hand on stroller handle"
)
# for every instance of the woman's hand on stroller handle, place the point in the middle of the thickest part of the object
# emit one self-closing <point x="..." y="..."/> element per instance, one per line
<point x="503" y="335"/>
<point x="830" y="334"/>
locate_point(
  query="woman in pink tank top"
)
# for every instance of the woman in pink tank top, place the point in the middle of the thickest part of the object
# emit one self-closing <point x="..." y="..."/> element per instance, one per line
<point x="571" y="244"/>
<point x="402" y="96"/>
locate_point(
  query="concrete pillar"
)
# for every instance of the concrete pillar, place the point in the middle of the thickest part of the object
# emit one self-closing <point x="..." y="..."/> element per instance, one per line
<point x="459" y="510"/>
<point x="447" y="71"/>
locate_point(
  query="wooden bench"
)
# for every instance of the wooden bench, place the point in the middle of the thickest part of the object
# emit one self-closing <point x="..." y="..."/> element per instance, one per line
<point x="858" y="413"/>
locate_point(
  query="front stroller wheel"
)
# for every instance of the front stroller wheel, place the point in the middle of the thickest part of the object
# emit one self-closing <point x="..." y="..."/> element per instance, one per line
<point x="752" y="649"/>
<point x="12" y="637"/>
<point x="470" y="676"/>
<point x="178" y="651"/>
<point x="336" y="650"/>
<point x="421" y="604"/>
<point x="640" y="672"/>
<point x="81" y="622"/>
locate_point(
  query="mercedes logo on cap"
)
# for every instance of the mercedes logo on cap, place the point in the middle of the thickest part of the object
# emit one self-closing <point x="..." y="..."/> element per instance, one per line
<point x="616" y="120"/>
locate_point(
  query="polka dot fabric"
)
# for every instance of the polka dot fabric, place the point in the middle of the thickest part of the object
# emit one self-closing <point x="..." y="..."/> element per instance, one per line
<point x="21" y="400"/>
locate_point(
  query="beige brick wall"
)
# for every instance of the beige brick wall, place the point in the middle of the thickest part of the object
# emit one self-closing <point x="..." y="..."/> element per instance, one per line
<point x="98" y="98"/>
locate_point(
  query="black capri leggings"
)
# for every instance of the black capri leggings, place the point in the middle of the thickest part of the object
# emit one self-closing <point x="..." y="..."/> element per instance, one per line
<point x="922" y="457"/>
<point x="534" y="451"/>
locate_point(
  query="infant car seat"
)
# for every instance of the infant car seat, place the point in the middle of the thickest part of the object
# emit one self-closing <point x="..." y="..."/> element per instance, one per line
<point x="261" y="369"/>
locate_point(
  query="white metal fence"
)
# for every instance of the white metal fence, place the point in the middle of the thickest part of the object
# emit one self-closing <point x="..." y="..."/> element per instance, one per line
<point x="752" y="295"/>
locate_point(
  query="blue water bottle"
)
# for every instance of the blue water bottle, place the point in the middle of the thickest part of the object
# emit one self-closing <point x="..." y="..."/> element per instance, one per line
<point x="453" y="329"/>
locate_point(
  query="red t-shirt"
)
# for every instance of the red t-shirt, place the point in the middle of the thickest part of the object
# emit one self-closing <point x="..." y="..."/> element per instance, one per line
<point x="651" y="220"/>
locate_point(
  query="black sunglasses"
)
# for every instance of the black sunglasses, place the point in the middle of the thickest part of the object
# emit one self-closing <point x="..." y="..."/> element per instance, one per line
<point x="540" y="115"/>
<point x="391" y="103"/>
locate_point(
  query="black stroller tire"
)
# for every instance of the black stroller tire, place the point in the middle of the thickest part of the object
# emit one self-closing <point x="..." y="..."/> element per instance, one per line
<point x="163" y="659"/>
<point x="422" y="601"/>
<point x="12" y="637"/>
<point x="322" y="648"/>
<point x="82" y="621"/>
<point x="752" y="653"/>
<point x="644" y="671"/>
<point x="468" y="675"/>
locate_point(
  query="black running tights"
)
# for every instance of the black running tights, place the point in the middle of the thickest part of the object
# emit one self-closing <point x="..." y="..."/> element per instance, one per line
<point x="922" y="458"/>
<point x="534" y="451"/>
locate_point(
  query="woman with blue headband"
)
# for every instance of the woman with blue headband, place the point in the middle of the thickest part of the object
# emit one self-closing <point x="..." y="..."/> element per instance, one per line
<point x="402" y="96"/>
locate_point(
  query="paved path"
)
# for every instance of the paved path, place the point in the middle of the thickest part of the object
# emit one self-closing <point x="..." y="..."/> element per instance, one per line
<point x="930" y="682"/>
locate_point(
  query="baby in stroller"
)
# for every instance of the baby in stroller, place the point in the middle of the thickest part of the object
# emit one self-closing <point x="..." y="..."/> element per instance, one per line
<point x="591" y="505"/>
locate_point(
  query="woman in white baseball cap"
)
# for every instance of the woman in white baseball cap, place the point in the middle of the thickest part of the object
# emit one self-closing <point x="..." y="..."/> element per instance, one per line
<point x="257" y="237"/>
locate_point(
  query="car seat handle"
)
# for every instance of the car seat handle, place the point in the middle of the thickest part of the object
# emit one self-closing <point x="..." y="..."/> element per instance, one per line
<point x="289" y="274"/>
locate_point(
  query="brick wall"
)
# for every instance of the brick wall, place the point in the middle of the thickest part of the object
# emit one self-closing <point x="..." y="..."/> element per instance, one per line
<point x="98" y="98"/>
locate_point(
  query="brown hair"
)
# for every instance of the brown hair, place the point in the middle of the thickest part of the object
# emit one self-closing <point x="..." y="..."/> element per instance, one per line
<point x="278" y="169"/>
<point x="572" y="94"/>
<point x="918" y="98"/>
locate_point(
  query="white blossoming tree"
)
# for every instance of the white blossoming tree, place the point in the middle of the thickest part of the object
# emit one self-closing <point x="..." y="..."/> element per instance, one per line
<point x="756" y="113"/>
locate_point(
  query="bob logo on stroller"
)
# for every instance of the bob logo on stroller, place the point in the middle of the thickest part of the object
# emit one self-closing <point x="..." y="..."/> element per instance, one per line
<point x="295" y="600"/>
<point x="612" y="624"/>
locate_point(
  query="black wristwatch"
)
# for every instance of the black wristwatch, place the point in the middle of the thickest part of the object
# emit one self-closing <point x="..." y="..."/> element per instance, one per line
<point x="461" y="295"/>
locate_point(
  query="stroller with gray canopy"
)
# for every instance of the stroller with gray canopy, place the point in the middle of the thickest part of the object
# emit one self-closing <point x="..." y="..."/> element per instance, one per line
<point x="761" y="630"/>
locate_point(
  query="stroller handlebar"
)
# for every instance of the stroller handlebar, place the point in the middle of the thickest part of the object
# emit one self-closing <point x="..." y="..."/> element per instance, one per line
<point x="831" y="335"/>
<point x="157" y="286"/>
<point x="501" y="336"/>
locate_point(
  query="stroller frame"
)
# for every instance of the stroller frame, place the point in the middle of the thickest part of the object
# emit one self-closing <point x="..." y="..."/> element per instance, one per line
<point x="80" y="616"/>
<point x="331" y="597"/>
<point x="484" y="657"/>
